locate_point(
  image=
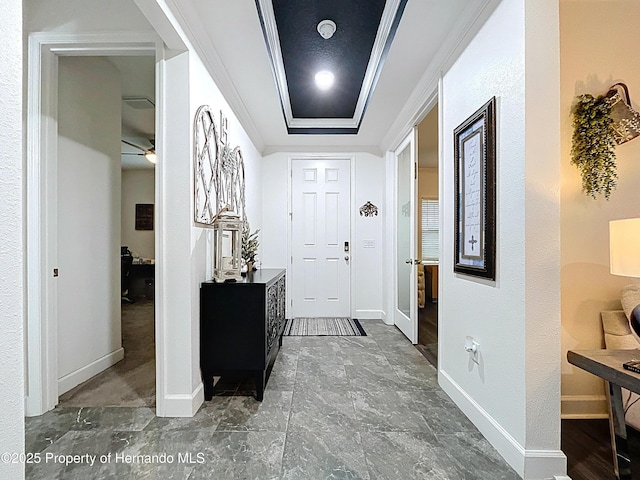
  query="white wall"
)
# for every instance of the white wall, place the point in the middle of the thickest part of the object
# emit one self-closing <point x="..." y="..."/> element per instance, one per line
<point x="512" y="395"/>
<point x="138" y="186"/>
<point x="369" y="187"/>
<point x="176" y="393"/>
<point x="88" y="219"/>
<point x="83" y="16"/>
<point x="368" y="172"/>
<point x="275" y="215"/>
<point x="11" y="231"/>
<point x="591" y="64"/>
<point x="203" y="91"/>
<point x="185" y="254"/>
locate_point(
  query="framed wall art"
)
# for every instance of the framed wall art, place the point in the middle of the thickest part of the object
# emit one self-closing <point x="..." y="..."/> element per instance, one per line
<point x="144" y="216"/>
<point x="206" y="151"/>
<point x="475" y="193"/>
<point x="218" y="171"/>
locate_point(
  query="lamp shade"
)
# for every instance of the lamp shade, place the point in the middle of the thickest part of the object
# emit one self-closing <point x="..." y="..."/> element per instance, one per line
<point x="624" y="247"/>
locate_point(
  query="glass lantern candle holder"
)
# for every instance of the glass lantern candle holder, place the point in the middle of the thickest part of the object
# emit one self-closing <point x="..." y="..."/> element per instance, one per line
<point x="227" y="246"/>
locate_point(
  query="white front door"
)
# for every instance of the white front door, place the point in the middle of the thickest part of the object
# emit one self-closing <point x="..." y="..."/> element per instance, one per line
<point x="320" y="234"/>
<point x="406" y="308"/>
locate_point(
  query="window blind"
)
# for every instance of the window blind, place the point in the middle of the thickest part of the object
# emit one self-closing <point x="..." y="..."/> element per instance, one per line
<point x="430" y="226"/>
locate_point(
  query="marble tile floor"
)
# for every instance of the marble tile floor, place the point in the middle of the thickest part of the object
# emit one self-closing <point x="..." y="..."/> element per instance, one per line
<point x="334" y="408"/>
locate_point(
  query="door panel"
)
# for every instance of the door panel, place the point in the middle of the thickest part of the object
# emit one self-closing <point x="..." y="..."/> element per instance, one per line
<point x="406" y="310"/>
<point x="320" y="202"/>
<point x="310" y="219"/>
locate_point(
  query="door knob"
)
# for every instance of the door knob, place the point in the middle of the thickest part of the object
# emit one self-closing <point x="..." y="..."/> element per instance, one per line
<point x="409" y="261"/>
<point x="346" y="258"/>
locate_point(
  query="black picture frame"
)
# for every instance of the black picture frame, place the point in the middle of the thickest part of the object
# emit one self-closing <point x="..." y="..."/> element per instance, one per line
<point x="144" y="216"/>
<point x="475" y="193"/>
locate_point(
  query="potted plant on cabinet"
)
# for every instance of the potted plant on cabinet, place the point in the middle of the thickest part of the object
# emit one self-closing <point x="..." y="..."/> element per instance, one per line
<point x="249" y="246"/>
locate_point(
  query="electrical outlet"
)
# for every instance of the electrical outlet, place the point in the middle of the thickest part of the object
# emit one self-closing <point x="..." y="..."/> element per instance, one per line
<point x="471" y="346"/>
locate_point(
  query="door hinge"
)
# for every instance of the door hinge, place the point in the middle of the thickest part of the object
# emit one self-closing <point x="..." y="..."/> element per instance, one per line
<point x="55" y="272"/>
<point x="415" y="171"/>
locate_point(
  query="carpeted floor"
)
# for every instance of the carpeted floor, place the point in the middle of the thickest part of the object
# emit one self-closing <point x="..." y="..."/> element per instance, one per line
<point x="132" y="381"/>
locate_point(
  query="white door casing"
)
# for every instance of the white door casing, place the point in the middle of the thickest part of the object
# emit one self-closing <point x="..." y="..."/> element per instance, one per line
<point x="320" y="230"/>
<point x="41" y="230"/>
<point x="406" y="295"/>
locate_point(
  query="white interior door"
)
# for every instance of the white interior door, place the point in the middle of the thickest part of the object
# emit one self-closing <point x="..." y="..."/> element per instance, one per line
<point x="406" y="310"/>
<point x="320" y="233"/>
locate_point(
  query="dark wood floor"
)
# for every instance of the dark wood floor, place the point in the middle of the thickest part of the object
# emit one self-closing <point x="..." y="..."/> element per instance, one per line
<point x="428" y="331"/>
<point x="587" y="445"/>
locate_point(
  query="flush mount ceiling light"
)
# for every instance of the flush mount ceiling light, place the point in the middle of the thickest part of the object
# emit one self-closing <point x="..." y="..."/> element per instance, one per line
<point x="324" y="80"/>
<point x="326" y="29"/>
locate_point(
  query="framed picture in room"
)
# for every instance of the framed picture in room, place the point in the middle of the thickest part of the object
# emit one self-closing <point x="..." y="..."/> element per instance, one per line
<point x="475" y="193"/>
<point x="144" y="216"/>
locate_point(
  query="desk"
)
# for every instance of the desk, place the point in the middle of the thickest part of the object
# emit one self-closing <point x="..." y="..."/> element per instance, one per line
<point x="607" y="364"/>
<point x="141" y="283"/>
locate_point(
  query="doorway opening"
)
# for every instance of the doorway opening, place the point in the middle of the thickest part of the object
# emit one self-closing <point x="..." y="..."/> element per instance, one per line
<point x="43" y="342"/>
<point x="126" y="105"/>
<point x="428" y="235"/>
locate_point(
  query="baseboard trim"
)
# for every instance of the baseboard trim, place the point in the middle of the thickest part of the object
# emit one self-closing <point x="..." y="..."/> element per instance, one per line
<point x="584" y="406"/>
<point x="184" y="405"/>
<point x="83" y="374"/>
<point x="544" y="464"/>
<point x="582" y="416"/>
<point x="369" y="314"/>
<point x="529" y="464"/>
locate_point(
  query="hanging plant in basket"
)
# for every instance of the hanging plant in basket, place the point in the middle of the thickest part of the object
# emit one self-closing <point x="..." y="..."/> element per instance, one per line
<point x="593" y="147"/>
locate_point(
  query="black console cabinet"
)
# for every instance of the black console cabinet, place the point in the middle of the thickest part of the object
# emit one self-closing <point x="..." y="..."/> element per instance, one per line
<point x="241" y="326"/>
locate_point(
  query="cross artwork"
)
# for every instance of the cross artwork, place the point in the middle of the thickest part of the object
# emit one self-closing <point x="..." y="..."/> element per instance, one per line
<point x="473" y="241"/>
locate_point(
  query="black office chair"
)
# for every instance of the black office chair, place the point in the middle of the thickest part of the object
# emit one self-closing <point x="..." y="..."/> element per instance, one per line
<point x="126" y="260"/>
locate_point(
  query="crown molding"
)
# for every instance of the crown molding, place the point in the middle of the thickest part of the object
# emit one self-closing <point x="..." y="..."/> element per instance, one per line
<point x="333" y="149"/>
<point x="197" y="35"/>
<point x="425" y="94"/>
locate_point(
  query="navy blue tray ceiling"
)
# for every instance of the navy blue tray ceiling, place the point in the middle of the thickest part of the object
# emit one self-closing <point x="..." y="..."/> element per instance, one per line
<point x="354" y="55"/>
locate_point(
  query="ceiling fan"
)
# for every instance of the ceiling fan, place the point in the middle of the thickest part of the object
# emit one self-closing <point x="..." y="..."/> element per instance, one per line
<point x="149" y="154"/>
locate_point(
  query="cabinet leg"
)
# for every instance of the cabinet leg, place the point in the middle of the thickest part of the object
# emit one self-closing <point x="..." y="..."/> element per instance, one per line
<point x="207" y="382"/>
<point x="260" y="381"/>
